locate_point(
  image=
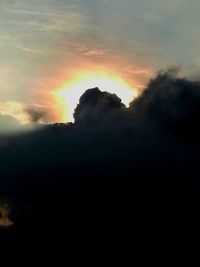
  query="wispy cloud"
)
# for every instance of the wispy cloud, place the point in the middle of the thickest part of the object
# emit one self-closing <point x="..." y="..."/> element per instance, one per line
<point x="14" y="109"/>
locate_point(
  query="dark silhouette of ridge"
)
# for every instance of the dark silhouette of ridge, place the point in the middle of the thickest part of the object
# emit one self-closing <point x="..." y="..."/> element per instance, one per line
<point x="151" y="146"/>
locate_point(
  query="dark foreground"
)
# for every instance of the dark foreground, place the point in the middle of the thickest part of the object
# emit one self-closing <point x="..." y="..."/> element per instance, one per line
<point x="113" y="161"/>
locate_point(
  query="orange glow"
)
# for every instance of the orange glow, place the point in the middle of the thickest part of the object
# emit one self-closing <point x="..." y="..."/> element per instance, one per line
<point x="67" y="95"/>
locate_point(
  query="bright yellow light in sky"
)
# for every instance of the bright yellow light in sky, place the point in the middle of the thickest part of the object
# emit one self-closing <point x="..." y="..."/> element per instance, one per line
<point x="69" y="93"/>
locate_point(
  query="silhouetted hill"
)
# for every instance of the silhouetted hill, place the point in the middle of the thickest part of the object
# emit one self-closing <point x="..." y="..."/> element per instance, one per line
<point x="153" y="146"/>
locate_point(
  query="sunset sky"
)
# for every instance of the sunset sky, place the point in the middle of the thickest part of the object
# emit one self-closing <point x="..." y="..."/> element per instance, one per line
<point x="49" y="48"/>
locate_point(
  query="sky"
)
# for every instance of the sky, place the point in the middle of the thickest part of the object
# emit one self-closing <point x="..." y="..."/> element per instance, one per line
<point x="49" y="48"/>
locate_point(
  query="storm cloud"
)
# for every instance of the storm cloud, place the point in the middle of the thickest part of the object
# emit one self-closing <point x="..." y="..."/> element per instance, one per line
<point x="162" y="121"/>
<point x="151" y="145"/>
<point x="170" y="104"/>
<point x="96" y="107"/>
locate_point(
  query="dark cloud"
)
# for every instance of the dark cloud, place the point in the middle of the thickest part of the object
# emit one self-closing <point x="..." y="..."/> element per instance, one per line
<point x="96" y="107"/>
<point x="151" y="146"/>
<point x="170" y="104"/>
<point x="161" y="125"/>
<point x="35" y="115"/>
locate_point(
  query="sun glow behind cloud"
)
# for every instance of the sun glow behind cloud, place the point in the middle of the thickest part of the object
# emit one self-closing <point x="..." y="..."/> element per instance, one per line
<point x="68" y="94"/>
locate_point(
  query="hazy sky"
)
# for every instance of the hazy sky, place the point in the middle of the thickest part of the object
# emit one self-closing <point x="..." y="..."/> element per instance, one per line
<point x="42" y="43"/>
